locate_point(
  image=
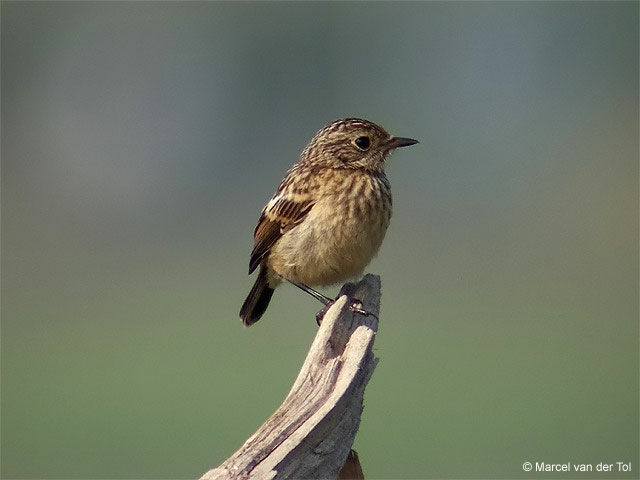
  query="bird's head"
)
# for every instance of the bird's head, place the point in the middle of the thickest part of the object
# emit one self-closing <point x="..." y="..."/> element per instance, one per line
<point x="352" y="143"/>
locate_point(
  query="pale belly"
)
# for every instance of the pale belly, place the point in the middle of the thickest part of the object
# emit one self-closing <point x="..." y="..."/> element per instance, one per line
<point x="333" y="243"/>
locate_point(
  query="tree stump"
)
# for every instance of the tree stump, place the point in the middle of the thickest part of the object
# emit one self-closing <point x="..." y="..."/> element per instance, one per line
<point x="310" y="435"/>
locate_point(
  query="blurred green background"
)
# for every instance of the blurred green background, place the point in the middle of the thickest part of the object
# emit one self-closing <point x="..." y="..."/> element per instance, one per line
<point x="141" y="140"/>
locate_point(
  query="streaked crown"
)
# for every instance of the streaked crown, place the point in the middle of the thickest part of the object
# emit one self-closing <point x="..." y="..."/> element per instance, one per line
<point x="352" y="143"/>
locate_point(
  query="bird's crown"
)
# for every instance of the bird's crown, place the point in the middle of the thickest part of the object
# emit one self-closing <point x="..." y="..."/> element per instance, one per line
<point x="352" y="143"/>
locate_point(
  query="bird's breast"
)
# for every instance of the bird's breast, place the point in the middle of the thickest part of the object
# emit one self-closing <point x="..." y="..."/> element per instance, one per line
<point x="340" y="234"/>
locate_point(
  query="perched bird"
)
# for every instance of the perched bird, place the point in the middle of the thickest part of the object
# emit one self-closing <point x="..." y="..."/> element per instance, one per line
<point x="329" y="215"/>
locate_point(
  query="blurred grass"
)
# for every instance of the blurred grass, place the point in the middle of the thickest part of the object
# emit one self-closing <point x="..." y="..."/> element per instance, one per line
<point x="139" y="142"/>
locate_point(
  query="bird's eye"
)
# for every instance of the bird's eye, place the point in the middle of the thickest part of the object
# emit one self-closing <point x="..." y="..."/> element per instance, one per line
<point x="362" y="143"/>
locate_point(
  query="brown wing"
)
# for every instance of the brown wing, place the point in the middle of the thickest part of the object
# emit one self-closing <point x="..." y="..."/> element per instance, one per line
<point x="283" y="212"/>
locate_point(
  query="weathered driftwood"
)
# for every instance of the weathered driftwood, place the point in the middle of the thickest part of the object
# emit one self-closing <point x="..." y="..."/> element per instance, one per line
<point x="311" y="433"/>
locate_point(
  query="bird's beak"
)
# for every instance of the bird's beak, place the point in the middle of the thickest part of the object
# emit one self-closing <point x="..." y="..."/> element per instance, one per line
<point x="397" y="142"/>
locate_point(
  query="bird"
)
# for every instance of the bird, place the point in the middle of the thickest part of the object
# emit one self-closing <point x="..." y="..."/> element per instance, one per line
<point x="329" y="215"/>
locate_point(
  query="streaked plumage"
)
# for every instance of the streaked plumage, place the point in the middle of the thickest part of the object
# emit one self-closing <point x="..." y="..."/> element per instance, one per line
<point x="329" y="215"/>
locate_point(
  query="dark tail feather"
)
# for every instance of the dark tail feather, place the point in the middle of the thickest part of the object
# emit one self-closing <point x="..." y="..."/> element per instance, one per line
<point x="257" y="300"/>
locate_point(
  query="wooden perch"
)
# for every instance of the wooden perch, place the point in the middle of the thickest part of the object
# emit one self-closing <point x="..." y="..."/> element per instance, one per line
<point x="311" y="433"/>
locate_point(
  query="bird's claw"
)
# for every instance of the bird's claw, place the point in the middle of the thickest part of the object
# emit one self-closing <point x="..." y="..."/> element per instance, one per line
<point x="321" y="313"/>
<point x="354" y="305"/>
<point x="357" y="307"/>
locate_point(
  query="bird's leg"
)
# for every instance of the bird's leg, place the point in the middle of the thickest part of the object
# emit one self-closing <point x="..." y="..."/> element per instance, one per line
<point x="317" y="295"/>
<point x="354" y="304"/>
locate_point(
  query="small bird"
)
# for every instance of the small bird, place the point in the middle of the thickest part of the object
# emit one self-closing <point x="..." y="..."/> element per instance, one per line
<point x="329" y="215"/>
